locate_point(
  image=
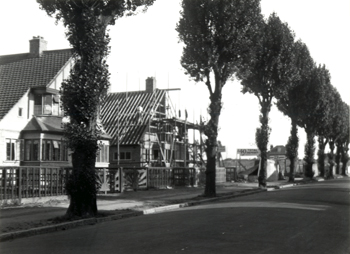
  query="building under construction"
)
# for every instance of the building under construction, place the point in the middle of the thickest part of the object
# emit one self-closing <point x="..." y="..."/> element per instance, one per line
<point x="145" y="130"/>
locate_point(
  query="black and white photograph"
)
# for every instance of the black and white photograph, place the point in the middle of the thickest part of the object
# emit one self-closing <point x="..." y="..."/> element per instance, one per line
<point x="175" y="126"/>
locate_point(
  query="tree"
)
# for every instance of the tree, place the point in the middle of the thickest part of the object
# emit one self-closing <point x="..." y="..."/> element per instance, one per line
<point x="289" y="102"/>
<point x="86" y="22"/>
<point x="325" y="107"/>
<point x="311" y="98"/>
<point x="217" y="35"/>
<point x="271" y="70"/>
<point x="345" y="139"/>
<point x="337" y="127"/>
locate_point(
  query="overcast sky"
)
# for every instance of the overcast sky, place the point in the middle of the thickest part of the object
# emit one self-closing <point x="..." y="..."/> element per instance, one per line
<point x="147" y="45"/>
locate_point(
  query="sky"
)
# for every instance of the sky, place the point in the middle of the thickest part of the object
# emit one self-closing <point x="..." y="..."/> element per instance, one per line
<point x="147" y="45"/>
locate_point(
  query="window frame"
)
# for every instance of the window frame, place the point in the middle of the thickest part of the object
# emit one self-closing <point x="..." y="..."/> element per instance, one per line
<point x="102" y="154"/>
<point x="125" y="155"/>
<point x="14" y="149"/>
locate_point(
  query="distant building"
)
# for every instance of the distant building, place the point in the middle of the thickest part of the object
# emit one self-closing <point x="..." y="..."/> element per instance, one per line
<point x="277" y="153"/>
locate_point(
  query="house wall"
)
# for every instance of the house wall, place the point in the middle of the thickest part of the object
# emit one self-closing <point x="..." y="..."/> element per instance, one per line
<point x="11" y="126"/>
<point x="135" y="151"/>
<point x="63" y="74"/>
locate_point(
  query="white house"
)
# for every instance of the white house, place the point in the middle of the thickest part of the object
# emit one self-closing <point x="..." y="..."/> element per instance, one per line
<point x="31" y="133"/>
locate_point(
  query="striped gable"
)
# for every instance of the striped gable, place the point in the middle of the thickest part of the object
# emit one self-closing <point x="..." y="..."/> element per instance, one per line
<point x="121" y="115"/>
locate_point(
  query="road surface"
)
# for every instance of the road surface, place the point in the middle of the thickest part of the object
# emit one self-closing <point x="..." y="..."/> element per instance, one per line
<point x="311" y="218"/>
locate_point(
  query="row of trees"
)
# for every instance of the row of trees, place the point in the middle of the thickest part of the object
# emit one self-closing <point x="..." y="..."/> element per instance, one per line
<point x="222" y="38"/>
<point x="227" y="38"/>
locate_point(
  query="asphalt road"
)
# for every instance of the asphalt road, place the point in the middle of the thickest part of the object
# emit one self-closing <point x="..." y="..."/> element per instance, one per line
<point x="312" y="218"/>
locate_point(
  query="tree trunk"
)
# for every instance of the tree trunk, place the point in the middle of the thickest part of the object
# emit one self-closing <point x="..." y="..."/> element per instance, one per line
<point x="210" y="173"/>
<point x="292" y="150"/>
<point x="344" y="159"/>
<point x="211" y="131"/>
<point x="337" y="158"/>
<point x="81" y="186"/>
<point x="262" y="140"/>
<point x="331" y="160"/>
<point x="309" y="154"/>
<point x="321" y="155"/>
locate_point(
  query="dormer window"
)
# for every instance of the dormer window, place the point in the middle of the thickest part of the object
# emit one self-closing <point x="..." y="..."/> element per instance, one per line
<point x="46" y="104"/>
<point x="38" y="102"/>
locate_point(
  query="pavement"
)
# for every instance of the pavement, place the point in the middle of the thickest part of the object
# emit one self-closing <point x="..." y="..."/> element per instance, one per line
<point x="31" y="218"/>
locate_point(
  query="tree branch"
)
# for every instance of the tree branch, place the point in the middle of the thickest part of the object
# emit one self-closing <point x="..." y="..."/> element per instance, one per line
<point x="207" y="75"/>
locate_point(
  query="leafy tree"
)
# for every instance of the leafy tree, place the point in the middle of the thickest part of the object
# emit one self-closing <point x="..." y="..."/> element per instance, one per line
<point x="345" y="138"/>
<point x="338" y="156"/>
<point x="311" y="113"/>
<point x="272" y="69"/>
<point x="217" y="37"/>
<point x="324" y="116"/>
<point x="86" y="22"/>
<point x="337" y="127"/>
<point x="289" y="102"/>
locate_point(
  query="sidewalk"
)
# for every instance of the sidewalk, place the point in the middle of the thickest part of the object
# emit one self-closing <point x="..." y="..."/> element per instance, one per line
<point x="32" y="219"/>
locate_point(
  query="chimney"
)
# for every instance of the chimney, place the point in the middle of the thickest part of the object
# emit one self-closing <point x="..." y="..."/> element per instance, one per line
<point x="36" y="46"/>
<point x="150" y="84"/>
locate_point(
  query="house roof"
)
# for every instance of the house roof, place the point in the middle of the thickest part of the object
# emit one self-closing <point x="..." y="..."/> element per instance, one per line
<point x="44" y="124"/>
<point x="50" y="124"/>
<point x="120" y="114"/>
<point x="19" y="72"/>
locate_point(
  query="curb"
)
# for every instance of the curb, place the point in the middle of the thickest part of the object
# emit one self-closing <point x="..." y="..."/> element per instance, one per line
<point x="92" y="221"/>
<point x="193" y="203"/>
<point x="65" y="226"/>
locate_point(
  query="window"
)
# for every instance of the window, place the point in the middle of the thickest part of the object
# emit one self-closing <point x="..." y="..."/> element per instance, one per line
<point x="115" y="156"/>
<point x="14" y="149"/>
<point x="56" y="155"/>
<point x="20" y="111"/>
<point x="46" y="104"/>
<point x="38" y="102"/>
<point x="125" y="155"/>
<point x="55" y="105"/>
<point x="103" y="153"/>
<point x="147" y="155"/>
<point x="10" y="149"/>
<point x="32" y="150"/>
<point x="155" y="154"/>
<point x="47" y="150"/>
<point x="54" y="150"/>
<point x="28" y="150"/>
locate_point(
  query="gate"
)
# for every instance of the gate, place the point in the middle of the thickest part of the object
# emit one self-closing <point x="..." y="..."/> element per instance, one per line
<point x="159" y="177"/>
<point x="109" y="179"/>
<point x="184" y="176"/>
<point x="134" y="178"/>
